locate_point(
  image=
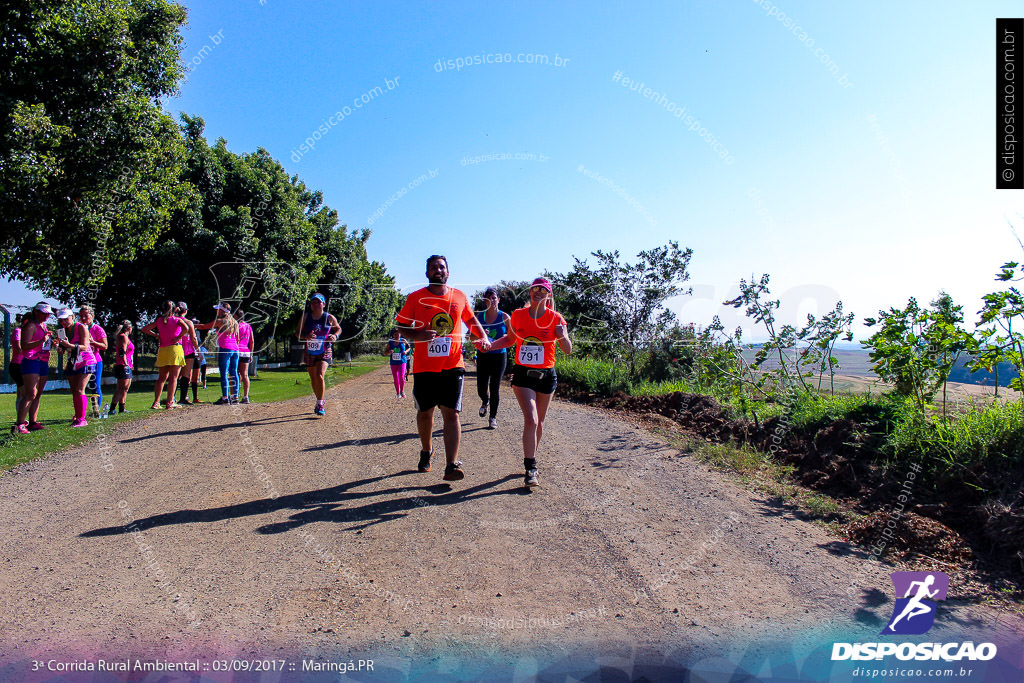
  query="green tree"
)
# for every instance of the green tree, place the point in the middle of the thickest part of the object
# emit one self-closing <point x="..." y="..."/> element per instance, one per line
<point x="1001" y="328"/>
<point x="622" y="303"/>
<point x="90" y="166"/>
<point x="260" y="239"/>
<point x="916" y="348"/>
<point x="791" y="355"/>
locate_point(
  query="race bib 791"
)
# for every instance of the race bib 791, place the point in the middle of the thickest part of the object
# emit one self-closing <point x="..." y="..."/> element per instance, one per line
<point x="530" y="354"/>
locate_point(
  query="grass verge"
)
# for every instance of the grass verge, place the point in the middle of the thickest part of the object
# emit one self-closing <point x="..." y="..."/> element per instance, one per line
<point x="759" y="472"/>
<point x="55" y="408"/>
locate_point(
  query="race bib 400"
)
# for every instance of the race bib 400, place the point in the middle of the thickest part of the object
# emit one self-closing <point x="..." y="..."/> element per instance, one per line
<point x="439" y="347"/>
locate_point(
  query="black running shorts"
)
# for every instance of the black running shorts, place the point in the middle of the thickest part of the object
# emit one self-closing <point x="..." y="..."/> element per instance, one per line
<point x="543" y="381"/>
<point x="430" y="389"/>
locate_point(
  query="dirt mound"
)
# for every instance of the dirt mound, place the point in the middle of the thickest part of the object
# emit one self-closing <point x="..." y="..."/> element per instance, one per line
<point x="909" y="536"/>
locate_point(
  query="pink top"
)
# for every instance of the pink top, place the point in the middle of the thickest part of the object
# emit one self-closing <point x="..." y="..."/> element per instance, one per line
<point x="126" y="358"/>
<point x="186" y="344"/>
<point x="86" y="356"/>
<point x="228" y="342"/>
<point x="16" y="343"/>
<point x="170" y="331"/>
<point x="96" y="332"/>
<point x="244" y="335"/>
<point x="42" y="352"/>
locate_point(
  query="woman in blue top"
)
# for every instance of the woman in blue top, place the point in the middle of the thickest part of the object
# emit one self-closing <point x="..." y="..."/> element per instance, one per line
<point x="317" y="330"/>
<point x="399" y="349"/>
<point x="490" y="365"/>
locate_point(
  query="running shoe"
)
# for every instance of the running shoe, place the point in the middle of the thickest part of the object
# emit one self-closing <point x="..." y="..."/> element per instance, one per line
<point x="492" y="423"/>
<point x="35" y="426"/>
<point x="234" y="399"/>
<point x="223" y="400"/>
<point x="403" y="395"/>
<point x="198" y="400"/>
<point x="483" y="409"/>
<point x="185" y="402"/>
<point x="155" y="406"/>
<point x="320" y="407"/>
<point x="172" y="405"/>
<point x="79" y="423"/>
<point x="453" y="472"/>
<point x="244" y="400"/>
<point x="424" y="465"/>
<point x="531" y="477"/>
<point x="21" y="428"/>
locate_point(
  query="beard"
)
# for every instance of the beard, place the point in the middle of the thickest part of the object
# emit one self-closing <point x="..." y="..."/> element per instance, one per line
<point x="437" y="279"/>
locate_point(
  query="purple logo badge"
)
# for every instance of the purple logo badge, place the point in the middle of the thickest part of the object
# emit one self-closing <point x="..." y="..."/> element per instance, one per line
<point x="914" y="612"/>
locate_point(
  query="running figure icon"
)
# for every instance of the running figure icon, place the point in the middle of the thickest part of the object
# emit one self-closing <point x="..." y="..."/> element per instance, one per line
<point x="917" y="590"/>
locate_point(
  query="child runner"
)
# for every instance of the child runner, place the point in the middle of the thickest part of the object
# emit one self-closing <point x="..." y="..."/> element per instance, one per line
<point x="36" y="340"/>
<point x="490" y="365"/>
<point x="199" y="373"/>
<point x="245" y="347"/>
<point x="124" y="362"/>
<point x="535" y="329"/>
<point x="318" y="329"/>
<point x="73" y="337"/>
<point x="398" y="348"/>
<point x="170" y="358"/>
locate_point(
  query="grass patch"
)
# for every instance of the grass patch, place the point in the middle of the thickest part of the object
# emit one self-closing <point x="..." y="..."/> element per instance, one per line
<point x="601" y="377"/>
<point x="756" y="470"/>
<point x="55" y="409"/>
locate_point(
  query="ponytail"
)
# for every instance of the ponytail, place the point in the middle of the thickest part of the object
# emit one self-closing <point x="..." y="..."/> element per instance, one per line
<point x="168" y="310"/>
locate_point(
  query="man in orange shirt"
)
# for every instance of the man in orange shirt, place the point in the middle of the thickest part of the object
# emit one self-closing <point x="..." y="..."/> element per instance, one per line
<point x="432" y="319"/>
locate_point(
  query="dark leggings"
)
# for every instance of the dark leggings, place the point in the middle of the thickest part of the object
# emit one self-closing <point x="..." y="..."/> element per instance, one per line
<point x="490" y="368"/>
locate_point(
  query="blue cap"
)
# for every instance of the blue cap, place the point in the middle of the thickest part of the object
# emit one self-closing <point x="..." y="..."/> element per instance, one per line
<point x="320" y="297"/>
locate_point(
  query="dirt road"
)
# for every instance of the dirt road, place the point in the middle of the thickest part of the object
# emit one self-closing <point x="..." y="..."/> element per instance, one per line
<point x="223" y="530"/>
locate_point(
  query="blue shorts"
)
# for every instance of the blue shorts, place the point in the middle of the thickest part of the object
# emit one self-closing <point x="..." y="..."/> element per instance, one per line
<point x="89" y="369"/>
<point x="32" y="366"/>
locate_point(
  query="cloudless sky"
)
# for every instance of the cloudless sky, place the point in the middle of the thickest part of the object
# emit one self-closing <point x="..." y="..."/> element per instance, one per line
<point x="869" y="193"/>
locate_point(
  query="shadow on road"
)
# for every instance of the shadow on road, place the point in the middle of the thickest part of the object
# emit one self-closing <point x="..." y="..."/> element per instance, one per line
<point x="325" y="505"/>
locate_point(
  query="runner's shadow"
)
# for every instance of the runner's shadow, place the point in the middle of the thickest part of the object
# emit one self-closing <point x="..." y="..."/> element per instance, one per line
<point x="375" y="513"/>
<point x="255" y="507"/>
<point x="183" y="432"/>
<point x="320" y="505"/>
<point x="391" y="440"/>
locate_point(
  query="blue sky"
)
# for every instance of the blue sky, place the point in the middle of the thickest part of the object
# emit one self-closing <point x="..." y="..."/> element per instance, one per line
<point x="870" y="180"/>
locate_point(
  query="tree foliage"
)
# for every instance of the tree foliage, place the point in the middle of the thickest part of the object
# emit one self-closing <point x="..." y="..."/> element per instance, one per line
<point x="90" y="165"/>
<point x="260" y="239"/>
<point x="916" y="348"/>
<point x="621" y="304"/>
<point x="791" y="356"/>
<point x="1001" y="327"/>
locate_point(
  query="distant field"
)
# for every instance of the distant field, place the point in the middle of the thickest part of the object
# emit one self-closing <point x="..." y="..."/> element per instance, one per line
<point x="855" y="375"/>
